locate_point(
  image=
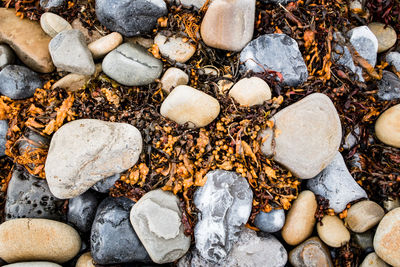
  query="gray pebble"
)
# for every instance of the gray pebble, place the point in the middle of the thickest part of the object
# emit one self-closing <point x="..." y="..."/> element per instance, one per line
<point x="389" y="86"/>
<point x="270" y="222"/>
<point x="48" y="4"/>
<point x="81" y="211"/>
<point x="3" y="135"/>
<point x="7" y="56"/>
<point x="106" y="184"/>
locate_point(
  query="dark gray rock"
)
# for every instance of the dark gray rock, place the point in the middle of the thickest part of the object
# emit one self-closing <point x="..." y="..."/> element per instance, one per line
<point x="270" y="222"/>
<point x="276" y="52"/>
<point x="389" y="86"/>
<point x="19" y="82"/>
<point x="393" y="59"/>
<point x="113" y="239"/>
<point x="81" y="211"/>
<point x="48" y="4"/>
<point x="3" y="135"/>
<point x="106" y="184"/>
<point x="30" y="197"/>
<point x="130" y="17"/>
<point x="7" y="56"/>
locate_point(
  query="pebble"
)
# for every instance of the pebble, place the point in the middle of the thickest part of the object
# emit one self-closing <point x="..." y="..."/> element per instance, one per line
<point x="113" y="239"/>
<point x="336" y="184"/>
<point x="250" y="91"/>
<point x="132" y="65"/>
<point x="332" y="231"/>
<point x="74" y="82"/>
<point x="306" y="137"/>
<point x="311" y="252"/>
<point x="53" y="24"/>
<point x="365" y="42"/>
<point x="101" y="47"/>
<point x="197" y="4"/>
<point x="282" y="2"/>
<point x="85" y="260"/>
<point x="364" y="240"/>
<point x="393" y="59"/>
<point x="30" y="197"/>
<point x="172" y="78"/>
<point x="3" y="137"/>
<point x="225" y="203"/>
<point x="389" y="86"/>
<point x="188" y="105"/>
<point x="117" y="15"/>
<point x="48" y="4"/>
<point x="276" y="52"/>
<point x="364" y="215"/>
<point x="27" y="39"/>
<point x="175" y="47"/>
<point x="6" y="56"/>
<point x="19" y="82"/>
<point x="142" y="41"/>
<point x="356" y="6"/>
<point x="70" y="53"/>
<point x="387" y="127"/>
<point x="228" y="24"/>
<point x="387" y="236"/>
<point x="90" y="36"/>
<point x="300" y="219"/>
<point x="157" y="220"/>
<point x="372" y="260"/>
<point x="81" y="211"/>
<point x="85" y="151"/>
<point x="104" y="186"/>
<point x="385" y="34"/>
<point x="391" y="204"/>
<point x="270" y="222"/>
<point x="33" y="264"/>
<point x="38" y="239"/>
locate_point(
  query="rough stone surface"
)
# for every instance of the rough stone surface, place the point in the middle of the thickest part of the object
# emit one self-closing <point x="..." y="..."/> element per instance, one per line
<point x="250" y="91"/>
<point x="365" y="42"/>
<point x="38" y="239"/>
<point x="364" y="215"/>
<point x="311" y="253"/>
<point x="372" y="260"/>
<point x="103" y="186"/>
<point x="332" y="231"/>
<point x="70" y="53"/>
<point x="130" y="17"/>
<point x="307" y="136"/>
<point x="172" y="78"/>
<point x="81" y="211"/>
<point x="385" y="35"/>
<point x="7" y="56"/>
<point x="174" y="47"/>
<point x="33" y="264"/>
<point x="336" y="184"/>
<point x="85" y="260"/>
<point x="104" y="45"/>
<point x="270" y="222"/>
<point x="393" y="58"/>
<point x="19" y="82"/>
<point x="387" y="236"/>
<point x="30" y="197"/>
<point x="53" y="24"/>
<point x="228" y="24"/>
<point x="3" y="136"/>
<point x="157" y="220"/>
<point x="387" y="127"/>
<point x="113" y="239"/>
<point x="48" y="4"/>
<point x="300" y="220"/>
<point x="20" y="35"/>
<point x="132" y="65"/>
<point x="188" y="105"/>
<point x="276" y="52"/>
<point x="83" y="152"/>
<point x="389" y="86"/>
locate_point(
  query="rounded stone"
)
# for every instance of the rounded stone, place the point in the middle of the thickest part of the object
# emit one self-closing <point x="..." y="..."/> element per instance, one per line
<point x="372" y="260"/>
<point x="270" y="222"/>
<point x="38" y="239"/>
<point x="3" y="137"/>
<point x="385" y="34"/>
<point x="172" y="78"/>
<point x="174" y="47"/>
<point x="364" y="215"/>
<point x="48" y="4"/>
<point x="250" y="91"/>
<point x="387" y="236"/>
<point x="81" y="211"/>
<point x="300" y="220"/>
<point x="104" y="186"/>
<point x="104" y="45"/>
<point x="332" y="231"/>
<point x="311" y="252"/>
<point x="33" y="264"/>
<point x="85" y="260"/>
<point x="7" y="56"/>
<point x="387" y="127"/>
<point x="53" y="24"/>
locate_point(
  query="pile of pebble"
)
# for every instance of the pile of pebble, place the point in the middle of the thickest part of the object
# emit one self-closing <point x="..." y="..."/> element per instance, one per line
<point x="86" y="156"/>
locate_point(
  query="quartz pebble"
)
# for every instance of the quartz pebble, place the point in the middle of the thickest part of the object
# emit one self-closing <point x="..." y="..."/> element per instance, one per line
<point x="372" y="260"/>
<point x="385" y="35"/>
<point x="332" y="231"/>
<point x="300" y="220"/>
<point x="174" y="47"/>
<point x="311" y="252"/>
<point x="6" y="56"/>
<point x="270" y="222"/>
<point x="81" y="211"/>
<point x="389" y="86"/>
<point x="85" y="260"/>
<point x="364" y="215"/>
<point x="33" y="264"/>
<point x="3" y="137"/>
<point x="172" y="78"/>
<point x="53" y="24"/>
<point x="387" y="127"/>
<point x="250" y="91"/>
<point x="101" y="47"/>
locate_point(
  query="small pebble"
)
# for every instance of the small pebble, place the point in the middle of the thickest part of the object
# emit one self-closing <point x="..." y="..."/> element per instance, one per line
<point x="53" y="24"/>
<point x="393" y="59"/>
<point x="74" y="82"/>
<point x="174" y="47"/>
<point x="332" y="231"/>
<point x="389" y="86"/>
<point x="364" y="240"/>
<point x="385" y="34"/>
<point x="3" y="137"/>
<point x="85" y="260"/>
<point x="364" y="215"/>
<point x="387" y="127"/>
<point x="7" y="56"/>
<point x="101" y="47"/>
<point x="311" y="252"/>
<point x="172" y="78"/>
<point x="250" y="91"/>
<point x="48" y="4"/>
<point x="270" y="222"/>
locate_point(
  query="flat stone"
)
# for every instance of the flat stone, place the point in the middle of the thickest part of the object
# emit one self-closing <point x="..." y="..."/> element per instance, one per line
<point x="336" y="184"/>
<point x="74" y="82"/>
<point x="157" y="220"/>
<point x="364" y="215"/>
<point x="225" y="203"/>
<point x="270" y="222"/>
<point x="385" y="35"/>
<point x="53" y="24"/>
<point x="393" y="59"/>
<point x="365" y="42"/>
<point x="387" y="127"/>
<point x="228" y="24"/>
<point x="81" y="211"/>
<point x="307" y="136"/>
<point x="90" y="35"/>
<point x="103" y="186"/>
<point x="117" y="15"/>
<point x="332" y="231"/>
<point x="38" y="239"/>
<point x="85" y="260"/>
<point x="112" y="238"/>
<point x="83" y="152"/>
<point x="174" y="47"/>
<point x="389" y="86"/>
<point x="132" y="65"/>
<point x="70" y="53"/>
<point x="3" y="137"/>
<point x="372" y="260"/>
<point x="7" y="56"/>
<point x="387" y="236"/>
<point x="48" y="4"/>
<point x="250" y="91"/>
<point x="311" y="252"/>
<point x="20" y="35"/>
<point x="188" y="105"/>
<point x="275" y="52"/>
<point x="172" y="78"/>
<point x="33" y="264"/>
<point x="30" y="197"/>
<point x="300" y="220"/>
<point x="19" y="82"/>
<point x="101" y="47"/>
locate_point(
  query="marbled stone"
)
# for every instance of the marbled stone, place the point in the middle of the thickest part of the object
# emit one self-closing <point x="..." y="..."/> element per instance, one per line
<point x="393" y="59"/>
<point x="48" y="4"/>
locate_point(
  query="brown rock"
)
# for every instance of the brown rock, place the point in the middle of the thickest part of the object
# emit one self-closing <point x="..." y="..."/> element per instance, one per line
<point x="387" y="127"/>
<point x="364" y="215"/>
<point x="311" y="252"/>
<point x="85" y="260"/>
<point x="27" y="39"/>
<point x="385" y="34"/>
<point x="332" y="231"/>
<point x="104" y="45"/>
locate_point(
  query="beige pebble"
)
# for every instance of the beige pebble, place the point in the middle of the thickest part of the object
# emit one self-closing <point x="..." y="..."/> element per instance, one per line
<point x="387" y="127"/>
<point x="364" y="215"/>
<point x="74" y="82"/>
<point x="372" y="260"/>
<point x="145" y="42"/>
<point x="385" y="34"/>
<point x="85" y="260"/>
<point x="53" y="24"/>
<point x="332" y="231"/>
<point x="33" y="264"/>
<point x="172" y="78"/>
<point x="250" y="91"/>
<point x="174" y="47"/>
<point x="300" y="220"/>
<point x="101" y="47"/>
<point x="311" y="252"/>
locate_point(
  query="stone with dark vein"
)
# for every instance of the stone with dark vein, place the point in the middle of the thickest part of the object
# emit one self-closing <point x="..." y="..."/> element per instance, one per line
<point x="81" y="211"/>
